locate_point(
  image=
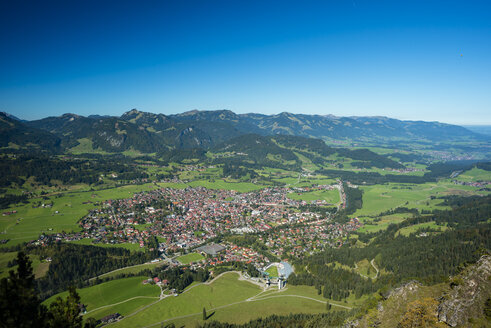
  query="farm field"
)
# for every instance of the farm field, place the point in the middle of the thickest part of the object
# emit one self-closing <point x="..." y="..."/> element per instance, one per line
<point x="330" y="196"/>
<point x="227" y="185"/>
<point x="32" y="220"/>
<point x="380" y="198"/>
<point x="474" y="175"/>
<point x="372" y="225"/>
<point x="215" y="184"/>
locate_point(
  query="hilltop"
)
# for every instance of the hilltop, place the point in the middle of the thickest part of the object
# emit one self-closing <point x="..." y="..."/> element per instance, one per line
<point x="146" y="133"/>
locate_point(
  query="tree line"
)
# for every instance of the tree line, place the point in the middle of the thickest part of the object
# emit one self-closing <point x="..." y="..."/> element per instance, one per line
<point x="20" y="306"/>
<point x="73" y="264"/>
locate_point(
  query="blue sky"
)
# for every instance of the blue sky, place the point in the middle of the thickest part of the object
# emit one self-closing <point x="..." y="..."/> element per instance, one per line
<point x="416" y="60"/>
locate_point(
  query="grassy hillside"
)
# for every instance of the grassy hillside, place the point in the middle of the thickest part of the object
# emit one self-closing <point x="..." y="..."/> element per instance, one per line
<point x="122" y="295"/>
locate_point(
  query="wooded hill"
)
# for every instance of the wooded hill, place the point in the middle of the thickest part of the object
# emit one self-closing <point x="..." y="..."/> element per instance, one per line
<point x="152" y="133"/>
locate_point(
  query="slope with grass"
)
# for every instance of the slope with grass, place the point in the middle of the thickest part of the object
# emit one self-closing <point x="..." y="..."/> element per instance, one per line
<point x="123" y="295"/>
<point x="228" y="299"/>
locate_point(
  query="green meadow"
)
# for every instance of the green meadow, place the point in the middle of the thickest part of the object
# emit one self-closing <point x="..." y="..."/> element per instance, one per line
<point x="230" y="300"/>
<point x="364" y="268"/>
<point x="130" y="246"/>
<point x="330" y="196"/>
<point x="380" y="198"/>
<point x="406" y="231"/>
<point x="223" y="291"/>
<point x="474" y="175"/>
<point x="191" y="257"/>
<point x="215" y="184"/>
<point x="382" y="222"/>
<point x="39" y="267"/>
<point x="227" y="185"/>
<point x="272" y="271"/>
<point x="122" y="295"/>
<point x="32" y="220"/>
<point x="135" y="269"/>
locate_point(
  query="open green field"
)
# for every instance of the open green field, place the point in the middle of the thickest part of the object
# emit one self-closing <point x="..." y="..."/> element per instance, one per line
<point x="130" y="246"/>
<point x="230" y="300"/>
<point x="191" y="257"/>
<point x="371" y="225"/>
<point x="227" y="185"/>
<point x="306" y="162"/>
<point x="39" y="268"/>
<point x="406" y="231"/>
<point x="364" y="268"/>
<point x="4" y="259"/>
<point x="272" y="271"/>
<point x="132" y="269"/>
<point x="330" y="196"/>
<point x="122" y="295"/>
<point x="85" y="146"/>
<point x="474" y="175"/>
<point x="215" y="184"/>
<point x="29" y="222"/>
<point x="223" y="291"/>
<point x="380" y="198"/>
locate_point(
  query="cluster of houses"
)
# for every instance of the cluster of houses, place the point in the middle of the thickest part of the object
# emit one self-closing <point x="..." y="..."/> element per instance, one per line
<point x="300" y="241"/>
<point x="9" y="213"/>
<point x="187" y="218"/>
<point x="478" y="184"/>
<point x="229" y="252"/>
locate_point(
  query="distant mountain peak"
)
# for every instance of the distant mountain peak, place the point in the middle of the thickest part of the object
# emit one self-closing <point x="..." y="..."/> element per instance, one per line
<point x="190" y="112"/>
<point x="11" y="116"/>
<point x="132" y="112"/>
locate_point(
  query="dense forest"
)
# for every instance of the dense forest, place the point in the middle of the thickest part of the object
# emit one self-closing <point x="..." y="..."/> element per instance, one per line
<point x="75" y="264"/>
<point x="20" y="305"/>
<point x="428" y="258"/>
<point x="68" y="170"/>
<point x="326" y="320"/>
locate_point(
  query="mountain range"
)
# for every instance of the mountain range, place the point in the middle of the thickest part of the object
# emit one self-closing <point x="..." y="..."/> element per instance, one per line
<point x="153" y="133"/>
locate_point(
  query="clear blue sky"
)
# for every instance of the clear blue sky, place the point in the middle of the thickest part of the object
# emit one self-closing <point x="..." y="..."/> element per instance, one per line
<point x="418" y="60"/>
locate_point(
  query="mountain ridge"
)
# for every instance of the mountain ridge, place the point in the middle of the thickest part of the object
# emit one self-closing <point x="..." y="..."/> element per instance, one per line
<point x="147" y="132"/>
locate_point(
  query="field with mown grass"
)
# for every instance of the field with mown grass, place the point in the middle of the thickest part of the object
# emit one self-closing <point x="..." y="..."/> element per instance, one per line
<point x="228" y="299"/>
<point x="406" y="231"/>
<point x="381" y="198"/>
<point x="191" y="257"/>
<point x="382" y="222"/>
<point x="122" y="295"/>
<point x="330" y="196"/>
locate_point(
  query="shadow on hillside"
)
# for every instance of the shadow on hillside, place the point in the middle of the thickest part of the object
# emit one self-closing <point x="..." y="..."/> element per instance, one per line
<point x="210" y="315"/>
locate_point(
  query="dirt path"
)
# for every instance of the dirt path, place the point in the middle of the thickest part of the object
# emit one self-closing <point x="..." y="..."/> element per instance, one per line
<point x="255" y="298"/>
<point x="250" y="299"/>
<point x="129" y="299"/>
<point x="372" y="262"/>
<point x="361" y="274"/>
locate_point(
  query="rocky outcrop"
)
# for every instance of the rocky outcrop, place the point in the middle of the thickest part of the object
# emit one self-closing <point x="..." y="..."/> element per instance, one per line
<point x="468" y="295"/>
<point x="406" y="289"/>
